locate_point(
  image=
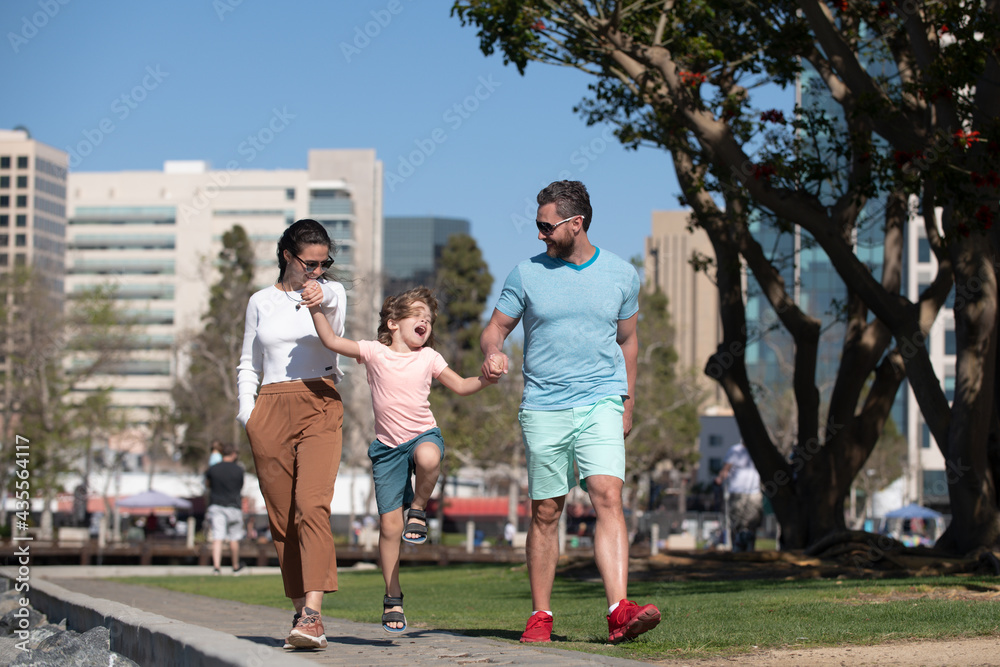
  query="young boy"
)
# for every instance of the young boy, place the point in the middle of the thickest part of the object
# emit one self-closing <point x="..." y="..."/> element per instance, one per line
<point x="400" y="366"/>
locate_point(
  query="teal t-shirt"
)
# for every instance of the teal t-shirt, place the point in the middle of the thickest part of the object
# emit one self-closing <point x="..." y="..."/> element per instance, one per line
<point x="570" y="316"/>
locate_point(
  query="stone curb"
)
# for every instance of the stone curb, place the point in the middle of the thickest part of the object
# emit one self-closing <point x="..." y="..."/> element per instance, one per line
<point x="146" y="638"/>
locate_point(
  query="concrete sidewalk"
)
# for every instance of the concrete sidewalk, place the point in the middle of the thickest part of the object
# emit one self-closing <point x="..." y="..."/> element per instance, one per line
<point x="155" y="626"/>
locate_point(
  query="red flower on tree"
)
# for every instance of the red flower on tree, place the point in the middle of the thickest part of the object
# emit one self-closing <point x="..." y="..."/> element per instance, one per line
<point x="538" y="25"/>
<point x="691" y="78"/>
<point x="985" y="216"/>
<point x="943" y="91"/>
<point x="982" y="180"/>
<point x="965" y="139"/>
<point x="773" y="116"/>
<point x="765" y="171"/>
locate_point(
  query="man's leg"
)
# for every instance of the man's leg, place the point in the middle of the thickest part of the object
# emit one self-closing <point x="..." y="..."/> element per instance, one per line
<point x="217" y="554"/>
<point x="610" y="535"/>
<point x="542" y="549"/>
<point x="234" y="553"/>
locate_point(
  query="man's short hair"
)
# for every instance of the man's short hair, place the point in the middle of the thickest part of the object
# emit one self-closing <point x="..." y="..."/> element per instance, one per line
<point x="570" y="197"/>
<point x="227" y="449"/>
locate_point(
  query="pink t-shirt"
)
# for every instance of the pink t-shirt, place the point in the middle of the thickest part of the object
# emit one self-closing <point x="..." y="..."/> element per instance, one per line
<point x="400" y="384"/>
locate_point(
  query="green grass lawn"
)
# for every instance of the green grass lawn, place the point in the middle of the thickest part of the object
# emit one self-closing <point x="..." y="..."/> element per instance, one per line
<point x="700" y="618"/>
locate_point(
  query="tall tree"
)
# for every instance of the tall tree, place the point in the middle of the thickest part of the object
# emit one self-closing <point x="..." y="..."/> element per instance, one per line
<point x="205" y="395"/>
<point x="52" y="353"/>
<point x="918" y="119"/>
<point x="462" y="284"/>
<point x="665" y="425"/>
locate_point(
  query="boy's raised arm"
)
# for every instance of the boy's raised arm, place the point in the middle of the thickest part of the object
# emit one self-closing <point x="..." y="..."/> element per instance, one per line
<point x="339" y="344"/>
<point x="463" y="386"/>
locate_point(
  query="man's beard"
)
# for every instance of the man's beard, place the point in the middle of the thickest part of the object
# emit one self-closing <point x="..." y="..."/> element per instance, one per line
<point x="560" y="249"/>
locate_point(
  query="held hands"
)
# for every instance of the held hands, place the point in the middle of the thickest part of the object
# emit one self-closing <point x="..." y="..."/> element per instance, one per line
<point x="312" y="294"/>
<point x="495" y="366"/>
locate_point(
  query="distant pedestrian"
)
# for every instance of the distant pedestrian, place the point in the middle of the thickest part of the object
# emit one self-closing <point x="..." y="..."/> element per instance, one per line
<point x="401" y="365"/>
<point x="216" y="454"/>
<point x="224" y="515"/>
<point x="745" y="508"/>
<point x="509" y="533"/>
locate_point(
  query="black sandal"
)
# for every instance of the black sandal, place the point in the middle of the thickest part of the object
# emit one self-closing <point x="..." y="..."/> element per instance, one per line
<point x="392" y="616"/>
<point x="411" y="527"/>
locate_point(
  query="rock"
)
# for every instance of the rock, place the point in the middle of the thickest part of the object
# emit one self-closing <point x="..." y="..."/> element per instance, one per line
<point x="71" y="649"/>
<point x="11" y="622"/>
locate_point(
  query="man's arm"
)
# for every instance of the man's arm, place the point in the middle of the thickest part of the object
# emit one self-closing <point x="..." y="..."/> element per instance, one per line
<point x="628" y="340"/>
<point x="491" y="343"/>
<point x="724" y="473"/>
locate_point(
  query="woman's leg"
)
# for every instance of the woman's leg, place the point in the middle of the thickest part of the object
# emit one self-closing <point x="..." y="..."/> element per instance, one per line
<point x="317" y="460"/>
<point x="273" y="456"/>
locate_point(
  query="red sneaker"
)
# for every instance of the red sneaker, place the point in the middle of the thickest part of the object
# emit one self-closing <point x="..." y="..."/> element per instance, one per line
<point x="539" y="628"/>
<point x="629" y="620"/>
<point x="308" y="631"/>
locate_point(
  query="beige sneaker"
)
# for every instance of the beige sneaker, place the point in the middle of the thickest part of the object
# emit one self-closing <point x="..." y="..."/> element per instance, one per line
<point x="308" y="631"/>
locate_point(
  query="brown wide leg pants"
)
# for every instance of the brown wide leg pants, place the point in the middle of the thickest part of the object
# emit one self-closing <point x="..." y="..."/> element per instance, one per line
<point x="295" y="435"/>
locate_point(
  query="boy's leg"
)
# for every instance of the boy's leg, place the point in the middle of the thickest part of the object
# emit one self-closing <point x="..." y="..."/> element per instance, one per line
<point x="390" y="532"/>
<point x="427" y="464"/>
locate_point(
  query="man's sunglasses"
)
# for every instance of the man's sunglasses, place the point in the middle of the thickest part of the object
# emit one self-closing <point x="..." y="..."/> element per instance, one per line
<point x="312" y="266"/>
<point x="548" y="227"/>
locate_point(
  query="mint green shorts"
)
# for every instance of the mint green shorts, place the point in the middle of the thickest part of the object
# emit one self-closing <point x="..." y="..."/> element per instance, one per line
<point x="591" y="436"/>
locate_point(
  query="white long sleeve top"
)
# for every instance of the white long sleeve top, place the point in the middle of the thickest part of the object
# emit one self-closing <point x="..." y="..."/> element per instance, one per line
<point x="280" y="343"/>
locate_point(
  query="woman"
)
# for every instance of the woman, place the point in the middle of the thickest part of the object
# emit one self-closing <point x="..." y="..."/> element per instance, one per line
<point x="294" y="423"/>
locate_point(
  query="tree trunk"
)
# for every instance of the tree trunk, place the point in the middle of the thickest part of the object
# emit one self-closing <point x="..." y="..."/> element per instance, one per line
<point x="971" y="485"/>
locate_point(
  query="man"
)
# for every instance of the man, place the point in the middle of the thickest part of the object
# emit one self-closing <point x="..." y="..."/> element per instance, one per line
<point x="579" y="305"/>
<point x="225" y="512"/>
<point x="745" y="507"/>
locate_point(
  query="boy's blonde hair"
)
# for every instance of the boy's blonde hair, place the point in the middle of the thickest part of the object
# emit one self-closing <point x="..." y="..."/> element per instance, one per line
<point x="401" y="305"/>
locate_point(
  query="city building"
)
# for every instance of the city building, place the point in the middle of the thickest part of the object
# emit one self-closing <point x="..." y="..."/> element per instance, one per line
<point x="926" y="483"/>
<point x="32" y="206"/>
<point x="155" y="235"/>
<point x="692" y="297"/>
<point x="719" y="432"/>
<point x="412" y="248"/>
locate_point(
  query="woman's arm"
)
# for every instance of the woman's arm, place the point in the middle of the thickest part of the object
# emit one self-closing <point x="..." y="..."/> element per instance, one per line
<point x="463" y="386"/>
<point x="250" y="368"/>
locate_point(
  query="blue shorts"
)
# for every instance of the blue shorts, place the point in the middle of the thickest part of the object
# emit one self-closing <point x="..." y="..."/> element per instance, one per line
<point x="392" y="468"/>
<point x="591" y="436"/>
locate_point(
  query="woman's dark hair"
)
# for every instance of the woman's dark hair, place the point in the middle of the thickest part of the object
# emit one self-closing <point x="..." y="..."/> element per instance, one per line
<point x="401" y="305"/>
<point x="297" y="236"/>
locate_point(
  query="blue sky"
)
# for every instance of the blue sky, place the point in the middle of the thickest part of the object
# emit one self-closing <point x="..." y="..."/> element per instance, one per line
<point x="459" y="134"/>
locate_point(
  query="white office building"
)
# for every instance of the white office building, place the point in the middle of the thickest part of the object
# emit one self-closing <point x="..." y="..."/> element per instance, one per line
<point x="925" y="475"/>
<point x="155" y="236"/>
